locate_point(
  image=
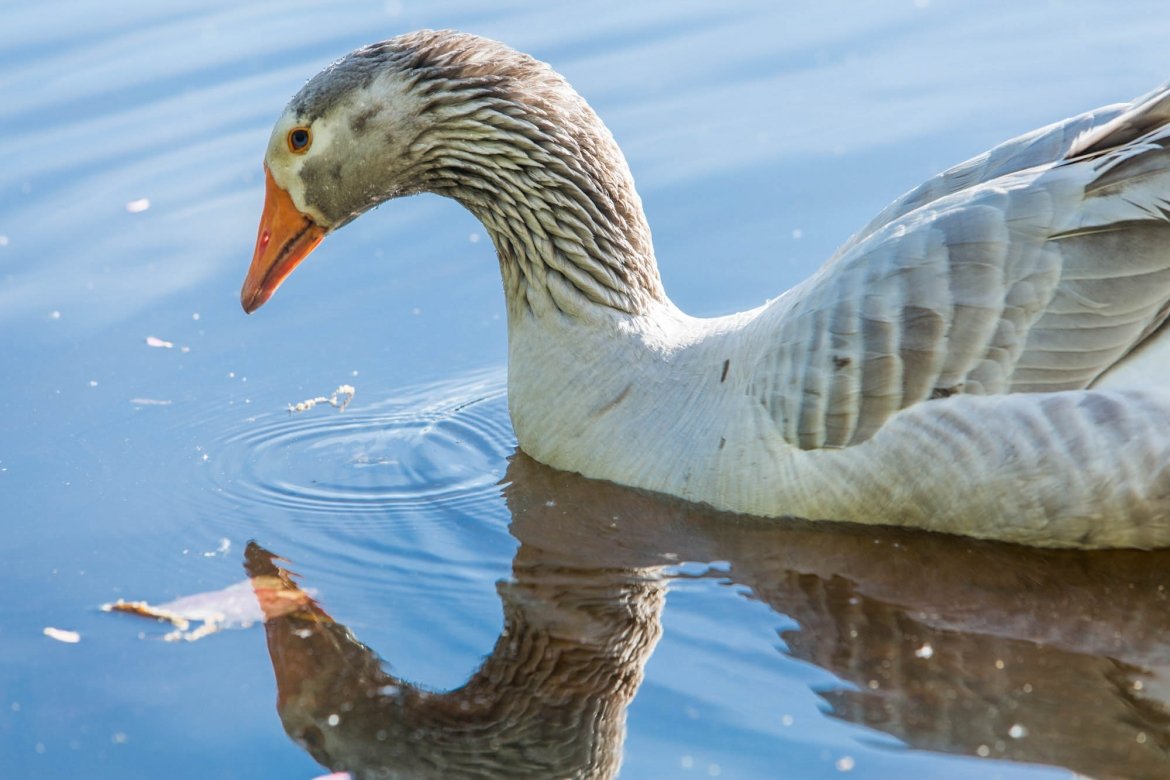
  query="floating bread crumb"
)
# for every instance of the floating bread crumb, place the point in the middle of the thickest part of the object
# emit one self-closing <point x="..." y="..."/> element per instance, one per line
<point x="345" y="390"/>
<point x="61" y="635"/>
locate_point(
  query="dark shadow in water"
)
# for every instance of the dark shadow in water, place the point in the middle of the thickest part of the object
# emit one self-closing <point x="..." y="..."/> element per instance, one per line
<point x="1055" y="657"/>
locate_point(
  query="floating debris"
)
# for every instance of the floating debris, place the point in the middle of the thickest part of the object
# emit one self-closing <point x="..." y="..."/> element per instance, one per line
<point x="155" y="341"/>
<point x="143" y="609"/>
<point x="345" y="390"/>
<point x="150" y="402"/>
<point x="139" y="205"/>
<point x="61" y="635"/>
<point x="233" y="607"/>
<point x="224" y="546"/>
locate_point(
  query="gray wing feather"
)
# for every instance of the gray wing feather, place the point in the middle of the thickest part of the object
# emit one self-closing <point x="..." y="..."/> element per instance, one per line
<point x="1039" y="147"/>
<point x="1018" y="271"/>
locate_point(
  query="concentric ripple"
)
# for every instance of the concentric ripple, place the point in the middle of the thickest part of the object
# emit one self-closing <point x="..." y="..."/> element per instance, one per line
<point x="438" y="447"/>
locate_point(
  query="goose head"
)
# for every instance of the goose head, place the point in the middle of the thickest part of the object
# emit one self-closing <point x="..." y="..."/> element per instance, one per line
<point x="457" y="115"/>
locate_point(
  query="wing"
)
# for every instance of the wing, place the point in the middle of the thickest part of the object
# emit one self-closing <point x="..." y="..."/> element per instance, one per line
<point x="1039" y="147"/>
<point x="1031" y="280"/>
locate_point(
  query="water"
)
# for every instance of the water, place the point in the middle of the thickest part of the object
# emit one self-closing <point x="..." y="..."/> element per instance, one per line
<point x="761" y="135"/>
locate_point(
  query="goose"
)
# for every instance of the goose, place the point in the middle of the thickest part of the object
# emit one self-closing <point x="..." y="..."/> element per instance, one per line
<point x="986" y="357"/>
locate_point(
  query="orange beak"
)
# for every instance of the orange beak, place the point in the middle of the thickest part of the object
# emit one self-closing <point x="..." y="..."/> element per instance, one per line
<point x="286" y="237"/>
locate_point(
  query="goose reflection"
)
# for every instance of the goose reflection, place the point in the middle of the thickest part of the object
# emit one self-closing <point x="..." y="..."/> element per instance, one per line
<point x="952" y="645"/>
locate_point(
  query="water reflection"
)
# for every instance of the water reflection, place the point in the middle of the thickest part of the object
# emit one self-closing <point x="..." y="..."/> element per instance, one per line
<point x="1054" y="657"/>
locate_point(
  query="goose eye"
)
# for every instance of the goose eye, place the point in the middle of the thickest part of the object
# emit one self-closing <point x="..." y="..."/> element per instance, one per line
<point x="299" y="139"/>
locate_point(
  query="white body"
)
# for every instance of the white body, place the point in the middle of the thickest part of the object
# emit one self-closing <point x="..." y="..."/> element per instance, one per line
<point x="645" y="400"/>
<point x="1027" y="468"/>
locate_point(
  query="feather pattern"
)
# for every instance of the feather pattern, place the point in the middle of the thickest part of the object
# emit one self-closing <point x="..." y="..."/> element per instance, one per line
<point x="1008" y="273"/>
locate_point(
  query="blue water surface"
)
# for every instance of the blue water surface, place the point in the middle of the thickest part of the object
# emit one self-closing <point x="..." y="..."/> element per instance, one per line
<point x="145" y="437"/>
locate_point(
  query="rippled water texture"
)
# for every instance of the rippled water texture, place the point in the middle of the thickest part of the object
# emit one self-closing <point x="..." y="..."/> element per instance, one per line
<point x="437" y="603"/>
<point x="433" y="451"/>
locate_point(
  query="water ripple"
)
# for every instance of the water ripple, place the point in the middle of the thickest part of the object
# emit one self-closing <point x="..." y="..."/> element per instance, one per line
<point x="435" y="449"/>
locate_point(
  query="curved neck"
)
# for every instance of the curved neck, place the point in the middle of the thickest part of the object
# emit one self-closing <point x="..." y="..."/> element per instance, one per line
<point x="557" y="198"/>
